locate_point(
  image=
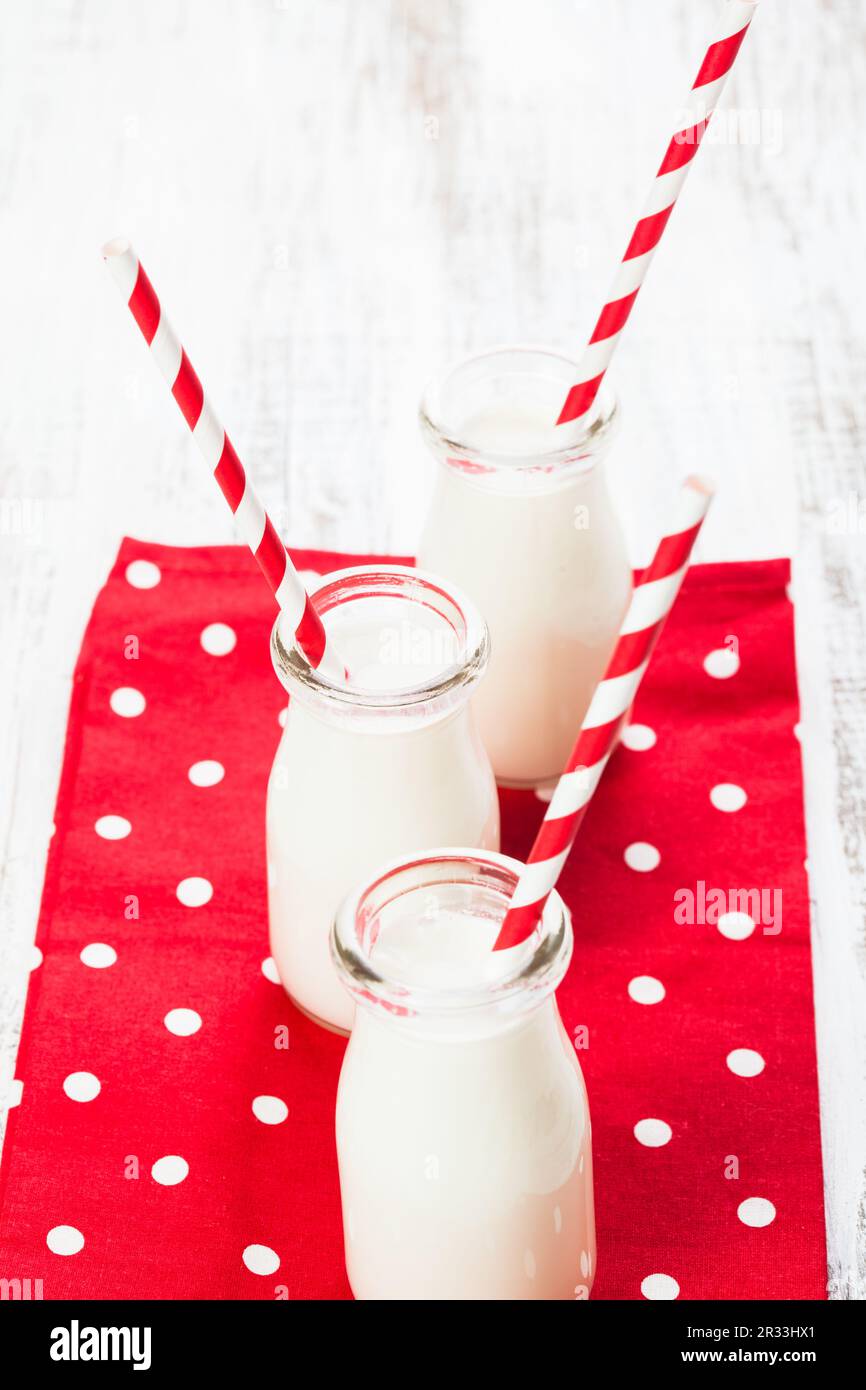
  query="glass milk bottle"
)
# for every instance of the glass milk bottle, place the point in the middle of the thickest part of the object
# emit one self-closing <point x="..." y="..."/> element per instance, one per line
<point x="521" y="519"/>
<point x="463" y="1132"/>
<point x="390" y="763"/>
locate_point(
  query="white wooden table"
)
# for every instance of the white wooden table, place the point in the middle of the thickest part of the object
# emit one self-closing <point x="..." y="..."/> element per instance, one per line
<point x="335" y="199"/>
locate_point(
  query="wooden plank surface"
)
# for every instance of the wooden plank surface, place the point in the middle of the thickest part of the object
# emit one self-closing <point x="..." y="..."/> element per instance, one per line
<point x="334" y="199"/>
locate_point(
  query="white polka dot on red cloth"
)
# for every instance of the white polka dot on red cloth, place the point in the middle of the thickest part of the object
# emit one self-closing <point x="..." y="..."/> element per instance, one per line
<point x="206" y="773"/>
<point x="35" y="957"/>
<point x="642" y="857"/>
<point x="653" y="1134"/>
<point x="727" y="796"/>
<point x="722" y="663"/>
<point x="218" y="639"/>
<point x="756" y="1211"/>
<point x="638" y="737"/>
<point x="82" y="1086"/>
<point x="743" y="1061"/>
<point x="646" y="989"/>
<point x="113" y="827"/>
<point x="64" y="1240"/>
<point x="194" y="892"/>
<point x="269" y="970"/>
<point x="127" y="701"/>
<point x="736" y="926"/>
<point x="282" y="716"/>
<point x="143" y="574"/>
<point x="98" y="955"/>
<point x="261" y="1259"/>
<point x="657" y="1287"/>
<point x="182" y="1022"/>
<point x="270" y="1110"/>
<point x="170" y="1170"/>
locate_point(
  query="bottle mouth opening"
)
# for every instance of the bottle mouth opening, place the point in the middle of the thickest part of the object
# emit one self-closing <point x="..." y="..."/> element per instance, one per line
<point x="523" y="381"/>
<point x="407" y="637"/>
<point x="416" y="939"/>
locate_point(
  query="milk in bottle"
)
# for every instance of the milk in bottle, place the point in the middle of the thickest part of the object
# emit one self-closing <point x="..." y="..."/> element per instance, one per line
<point x="463" y="1133"/>
<point x="522" y="521"/>
<point x="389" y="763"/>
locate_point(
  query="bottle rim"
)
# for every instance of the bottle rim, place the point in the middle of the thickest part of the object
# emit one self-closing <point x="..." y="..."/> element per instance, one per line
<point x="405" y="582"/>
<point x="534" y="969"/>
<point x="583" y="441"/>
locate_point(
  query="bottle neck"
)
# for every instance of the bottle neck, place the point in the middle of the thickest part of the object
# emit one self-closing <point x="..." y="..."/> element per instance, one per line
<point x="531" y="1017"/>
<point x="492" y="420"/>
<point x="415" y="945"/>
<point x="413" y="648"/>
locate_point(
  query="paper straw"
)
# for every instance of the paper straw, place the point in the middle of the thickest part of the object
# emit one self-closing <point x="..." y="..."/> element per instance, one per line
<point x="701" y="102"/>
<point x="251" y="519"/>
<point x="652" y="600"/>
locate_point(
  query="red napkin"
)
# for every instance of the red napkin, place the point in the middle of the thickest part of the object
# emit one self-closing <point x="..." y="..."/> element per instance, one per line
<point x="141" y="1163"/>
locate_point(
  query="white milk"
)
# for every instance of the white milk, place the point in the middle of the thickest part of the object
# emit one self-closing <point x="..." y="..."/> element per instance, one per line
<point x="355" y="783"/>
<point x="521" y="520"/>
<point x="463" y="1135"/>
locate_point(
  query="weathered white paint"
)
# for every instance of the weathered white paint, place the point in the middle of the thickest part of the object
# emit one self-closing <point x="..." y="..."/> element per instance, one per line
<point x="334" y="199"/>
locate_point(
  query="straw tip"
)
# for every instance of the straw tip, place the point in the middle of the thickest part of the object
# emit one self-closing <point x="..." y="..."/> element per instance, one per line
<point x="700" y="483"/>
<point x="117" y="246"/>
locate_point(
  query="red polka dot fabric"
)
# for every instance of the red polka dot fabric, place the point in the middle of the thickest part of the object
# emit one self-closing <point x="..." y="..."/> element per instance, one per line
<point x="173" y="1136"/>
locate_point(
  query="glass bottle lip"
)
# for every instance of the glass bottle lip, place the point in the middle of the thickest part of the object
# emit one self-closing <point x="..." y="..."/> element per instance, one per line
<point x="583" y="441"/>
<point x="534" y="971"/>
<point x="387" y="581"/>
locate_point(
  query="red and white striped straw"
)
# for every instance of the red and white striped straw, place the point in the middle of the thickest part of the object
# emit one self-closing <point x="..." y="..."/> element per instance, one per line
<point x="701" y="102"/>
<point x="251" y="519"/>
<point x="652" y="600"/>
